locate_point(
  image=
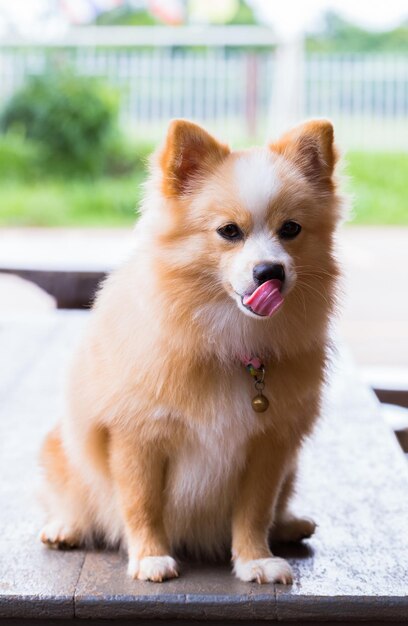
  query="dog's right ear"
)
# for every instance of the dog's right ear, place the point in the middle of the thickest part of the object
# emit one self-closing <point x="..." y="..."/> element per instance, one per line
<point x="188" y="155"/>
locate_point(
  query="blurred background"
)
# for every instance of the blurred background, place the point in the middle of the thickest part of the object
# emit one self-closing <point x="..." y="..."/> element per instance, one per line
<point x="87" y="88"/>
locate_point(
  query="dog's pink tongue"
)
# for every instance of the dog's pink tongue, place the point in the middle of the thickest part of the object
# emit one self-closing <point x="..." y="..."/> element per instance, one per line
<point x="266" y="299"/>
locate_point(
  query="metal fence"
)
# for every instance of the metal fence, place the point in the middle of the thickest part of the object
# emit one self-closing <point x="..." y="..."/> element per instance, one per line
<point x="240" y="92"/>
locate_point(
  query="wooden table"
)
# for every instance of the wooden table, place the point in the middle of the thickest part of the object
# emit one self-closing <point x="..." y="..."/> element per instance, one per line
<point x="354" y="483"/>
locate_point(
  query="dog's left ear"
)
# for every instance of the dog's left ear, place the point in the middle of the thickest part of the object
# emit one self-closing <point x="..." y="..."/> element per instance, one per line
<point x="311" y="148"/>
<point x="189" y="154"/>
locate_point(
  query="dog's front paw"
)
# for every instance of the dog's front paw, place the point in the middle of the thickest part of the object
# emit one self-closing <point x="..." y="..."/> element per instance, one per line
<point x="269" y="570"/>
<point x="293" y="529"/>
<point x="154" y="568"/>
<point x="58" y="535"/>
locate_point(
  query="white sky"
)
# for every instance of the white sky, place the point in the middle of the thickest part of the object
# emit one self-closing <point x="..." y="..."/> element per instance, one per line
<point x="291" y="16"/>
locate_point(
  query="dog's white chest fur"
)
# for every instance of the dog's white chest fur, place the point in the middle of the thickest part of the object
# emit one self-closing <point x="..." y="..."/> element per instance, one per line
<point x="205" y="464"/>
<point x="202" y="479"/>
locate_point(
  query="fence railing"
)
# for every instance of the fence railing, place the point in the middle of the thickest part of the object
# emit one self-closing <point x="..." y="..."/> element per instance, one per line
<point x="241" y="92"/>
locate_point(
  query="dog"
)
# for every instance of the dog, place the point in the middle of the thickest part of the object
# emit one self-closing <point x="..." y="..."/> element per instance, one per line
<point x="201" y="369"/>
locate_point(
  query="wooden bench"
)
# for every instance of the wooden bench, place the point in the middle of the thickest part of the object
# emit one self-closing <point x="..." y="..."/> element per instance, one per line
<point x="72" y="289"/>
<point x="354" y="483"/>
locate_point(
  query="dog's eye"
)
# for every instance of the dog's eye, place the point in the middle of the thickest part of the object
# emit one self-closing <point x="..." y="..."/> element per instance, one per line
<point x="232" y="232"/>
<point x="289" y="230"/>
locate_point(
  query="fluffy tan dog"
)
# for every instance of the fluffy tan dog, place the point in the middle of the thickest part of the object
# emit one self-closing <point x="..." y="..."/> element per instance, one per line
<point x="163" y="445"/>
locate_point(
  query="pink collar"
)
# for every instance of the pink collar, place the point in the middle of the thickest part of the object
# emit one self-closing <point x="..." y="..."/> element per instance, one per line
<point x="255" y="361"/>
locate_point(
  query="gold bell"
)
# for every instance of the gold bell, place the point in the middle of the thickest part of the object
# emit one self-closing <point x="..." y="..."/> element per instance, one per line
<point x="260" y="403"/>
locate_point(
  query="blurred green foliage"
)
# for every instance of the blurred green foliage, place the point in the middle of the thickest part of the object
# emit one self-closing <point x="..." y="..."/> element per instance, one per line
<point x="73" y="118"/>
<point x="378" y="187"/>
<point x="64" y="162"/>
<point x="127" y="155"/>
<point x="99" y="202"/>
<point x="20" y="159"/>
<point x="32" y="194"/>
<point x="376" y="183"/>
<point x="340" y="35"/>
<point x="245" y="15"/>
<point x="126" y="16"/>
<point x="63" y="159"/>
<point x="28" y="160"/>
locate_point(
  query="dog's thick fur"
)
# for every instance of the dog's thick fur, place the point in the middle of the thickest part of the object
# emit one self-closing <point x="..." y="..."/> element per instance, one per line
<point x="159" y="448"/>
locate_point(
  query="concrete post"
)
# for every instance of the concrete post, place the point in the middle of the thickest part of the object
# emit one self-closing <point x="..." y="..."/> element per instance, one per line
<point x="287" y="98"/>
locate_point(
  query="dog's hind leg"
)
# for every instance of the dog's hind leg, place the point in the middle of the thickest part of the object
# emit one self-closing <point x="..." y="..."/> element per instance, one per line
<point x="64" y="497"/>
<point x="288" y="527"/>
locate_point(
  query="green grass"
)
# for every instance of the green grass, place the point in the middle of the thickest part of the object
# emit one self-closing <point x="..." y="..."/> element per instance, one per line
<point x="103" y="202"/>
<point x="378" y="183"/>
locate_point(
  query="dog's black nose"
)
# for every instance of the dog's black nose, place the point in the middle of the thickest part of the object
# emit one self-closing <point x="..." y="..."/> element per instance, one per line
<point x="266" y="271"/>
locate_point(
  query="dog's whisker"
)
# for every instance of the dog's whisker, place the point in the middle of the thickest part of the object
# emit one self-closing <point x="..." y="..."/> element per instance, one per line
<point x="308" y="286"/>
<point x="299" y="296"/>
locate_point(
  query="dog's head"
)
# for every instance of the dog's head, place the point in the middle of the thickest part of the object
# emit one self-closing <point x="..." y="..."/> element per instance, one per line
<point x="250" y="229"/>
